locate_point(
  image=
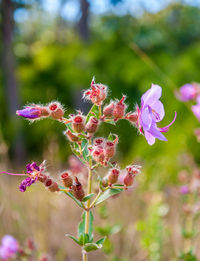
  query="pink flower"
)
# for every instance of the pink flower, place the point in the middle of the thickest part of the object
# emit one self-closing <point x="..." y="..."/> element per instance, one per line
<point x="187" y="92"/>
<point x="196" y="108"/>
<point x="151" y="112"/>
<point x="9" y="247"/>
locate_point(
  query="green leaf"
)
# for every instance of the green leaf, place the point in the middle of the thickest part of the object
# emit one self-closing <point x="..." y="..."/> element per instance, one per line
<point x="81" y="227"/>
<point x="110" y="121"/>
<point x="101" y="241"/>
<point x="111" y="137"/>
<point x="69" y="126"/>
<point x="107" y="194"/>
<point x="84" y="147"/>
<point x="84" y="239"/>
<point x="90" y="232"/>
<point x="73" y="238"/>
<point x="108" y="230"/>
<point x="115" y="229"/>
<point x="94" y="111"/>
<point x="72" y="197"/>
<point x="88" y="197"/>
<point x="92" y="247"/>
<point x="107" y="246"/>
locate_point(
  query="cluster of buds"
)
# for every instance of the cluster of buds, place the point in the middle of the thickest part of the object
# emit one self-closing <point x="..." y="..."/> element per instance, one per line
<point x="73" y="185"/>
<point x="97" y="93"/>
<point x="103" y="150"/>
<point x="115" y="109"/>
<point x="36" y="111"/>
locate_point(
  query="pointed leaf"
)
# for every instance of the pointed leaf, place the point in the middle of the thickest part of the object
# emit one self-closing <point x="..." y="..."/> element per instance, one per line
<point x="81" y="227"/>
<point x="91" y="218"/>
<point x="88" y="197"/>
<point x="101" y="241"/>
<point x="73" y="238"/>
<point x="111" y="137"/>
<point x="94" y="111"/>
<point x="71" y="196"/>
<point x="107" y="194"/>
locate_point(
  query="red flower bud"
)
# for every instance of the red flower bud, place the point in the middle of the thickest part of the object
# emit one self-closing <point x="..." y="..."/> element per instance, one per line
<point x="98" y="154"/>
<point x="133" y="169"/>
<point x="108" y="110"/>
<point x="45" y="111"/>
<point x="78" y="123"/>
<point x="56" y="110"/>
<point x="71" y="137"/>
<point x="77" y="190"/>
<point x="113" y="175"/>
<point x="98" y="142"/>
<point x="132" y="117"/>
<point x="92" y="125"/>
<point x="42" y="178"/>
<point x="109" y="149"/>
<point x="119" y="109"/>
<point x="129" y="179"/>
<point x="67" y="180"/>
<point x="51" y="185"/>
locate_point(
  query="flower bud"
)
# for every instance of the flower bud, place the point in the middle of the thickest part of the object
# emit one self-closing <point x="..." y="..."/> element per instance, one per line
<point x="51" y="185"/>
<point x="132" y="117"/>
<point x="56" y="110"/>
<point x="67" y="180"/>
<point x="109" y="149"/>
<point x="133" y="169"/>
<point x="71" y="137"/>
<point x="97" y="94"/>
<point x="42" y="178"/>
<point x="98" y="142"/>
<point x="113" y="175"/>
<point x="98" y="154"/>
<point x="92" y="125"/>
<point x="45" y="112"/>
<point x="30" y="112"/>
<point x="119" y="109"/>
<point x="78" y="123"/>
<point x="105" y="181"/>
<point x="108" y="110"/>
<point x="129" y="179"/>
<point x="77" y="190"/>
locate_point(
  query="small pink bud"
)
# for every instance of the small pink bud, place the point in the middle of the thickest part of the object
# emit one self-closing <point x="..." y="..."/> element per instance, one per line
<point x="42" y="178"/>
<point x="108" y="110"/>
<point x="98" y="142"/>
<point x="98" y="154"/>
<point x="132" y="117"/>
<point x="129" y="179"/>
<point x="66" y="179"/>
<point x="134" y="169"/>
<point x="92" y="125"/>
<point x="109" y="149"/>
<point x="45" y="112"/>
<point x="77" y="190"/>
<point x="113" y="175"/>
<point x="119" y="109"/>
<point x="56" y="110"/>
<point x="71" y="137"/>
<point x="78" y="123"/>
<point x="51" y="185"/>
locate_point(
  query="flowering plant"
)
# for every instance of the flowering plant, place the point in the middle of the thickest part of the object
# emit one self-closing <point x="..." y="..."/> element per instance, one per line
<point x="94" y="152"/>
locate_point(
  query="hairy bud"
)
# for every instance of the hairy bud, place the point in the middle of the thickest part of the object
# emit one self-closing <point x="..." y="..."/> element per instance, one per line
<point x="109" y="149"/>
<point x="56" y="110"/>
<point x="108" y="110"/>
<point x="71" y="137"/>
<point x="66" y="179"/>
<point x="129" y="179"/>
<point x="132" y="117"/>
<point x="97" y="93"/>
<point x="98" y="142"/>
<point x="133" y="169"/>
<point x="78" y="123"/>
<point x="113" y="175"/>
<point x="42" y="178"/>
<point x="51" y="185"/>
<point x="92" y="125"/>
<point x="98" y="154"/>
<point x="77" y="190"/>
<point x="119" y="109"/>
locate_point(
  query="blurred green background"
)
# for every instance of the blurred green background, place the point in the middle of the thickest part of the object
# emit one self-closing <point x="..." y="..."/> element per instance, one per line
<point x="50" y="50"/>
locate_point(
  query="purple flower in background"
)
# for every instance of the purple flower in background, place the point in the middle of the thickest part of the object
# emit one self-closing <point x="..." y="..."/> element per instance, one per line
<point x="187" y="92"/>
<point x="31" y="167"/>
<point x="196" y="108"/>
<point x="9" y="247"/>
<point x="151" y="112"/>
<point x="30" y="112"/>
<point x="184" y="190"/>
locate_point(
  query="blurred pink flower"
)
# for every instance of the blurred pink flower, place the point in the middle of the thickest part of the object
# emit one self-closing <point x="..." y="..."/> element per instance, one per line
<point x="187" y="92"/>
<point x="9" y="247"/>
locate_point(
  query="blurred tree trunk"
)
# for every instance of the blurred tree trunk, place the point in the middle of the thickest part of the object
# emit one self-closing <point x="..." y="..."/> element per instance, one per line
<point x="83" y="22"/>
<point x="10" y="83"/>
